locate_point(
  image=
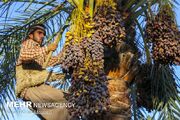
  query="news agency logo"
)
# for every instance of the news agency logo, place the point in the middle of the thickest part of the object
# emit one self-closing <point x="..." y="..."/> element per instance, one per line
<point x="29" y="104"/>
<point x="19" y="104"/>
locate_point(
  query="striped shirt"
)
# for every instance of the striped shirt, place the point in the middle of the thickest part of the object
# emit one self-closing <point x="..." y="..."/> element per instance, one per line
<point x="31" y="52"/>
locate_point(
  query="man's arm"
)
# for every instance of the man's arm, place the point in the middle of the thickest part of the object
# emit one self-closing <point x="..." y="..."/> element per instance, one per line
<point x="30" y="52"/>
<point x="55" y="60"/>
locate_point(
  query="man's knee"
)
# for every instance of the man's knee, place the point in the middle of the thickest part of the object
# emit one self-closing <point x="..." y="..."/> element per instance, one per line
<point x="44" y="93"/>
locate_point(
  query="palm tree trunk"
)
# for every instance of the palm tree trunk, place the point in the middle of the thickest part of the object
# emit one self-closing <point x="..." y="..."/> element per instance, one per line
<point x="120" y="77"/>
<point x="119" y="100"/>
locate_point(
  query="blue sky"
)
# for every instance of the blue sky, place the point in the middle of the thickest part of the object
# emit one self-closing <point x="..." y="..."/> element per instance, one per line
<point x="177" y="11"/>
<point x="26" y="114"/>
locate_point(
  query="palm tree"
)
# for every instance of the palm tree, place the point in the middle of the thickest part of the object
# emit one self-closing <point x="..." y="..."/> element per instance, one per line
<point x="114" y="48"/>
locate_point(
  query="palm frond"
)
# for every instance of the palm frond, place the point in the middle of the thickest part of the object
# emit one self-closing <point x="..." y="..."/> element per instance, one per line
<point x="136" y="112"/>
<point x="160" y="91"/>
<point x="43" y="17"/>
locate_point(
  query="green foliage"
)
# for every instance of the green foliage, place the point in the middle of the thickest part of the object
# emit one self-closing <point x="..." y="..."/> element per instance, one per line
<point x="91" y="8"/>
<point x="5" y="0"/>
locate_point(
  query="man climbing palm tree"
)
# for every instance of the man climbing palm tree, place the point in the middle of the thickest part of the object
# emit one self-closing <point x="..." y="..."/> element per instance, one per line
<point x="31" y="76"/>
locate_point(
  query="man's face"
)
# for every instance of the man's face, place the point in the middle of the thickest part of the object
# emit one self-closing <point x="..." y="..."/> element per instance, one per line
<point x="37" y="35"/>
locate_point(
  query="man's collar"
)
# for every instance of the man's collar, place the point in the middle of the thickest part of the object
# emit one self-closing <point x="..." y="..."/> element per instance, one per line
<point x="35" y="43"/>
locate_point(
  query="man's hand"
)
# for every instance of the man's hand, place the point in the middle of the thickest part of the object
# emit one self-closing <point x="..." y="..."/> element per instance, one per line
<point x="51" y="47"/>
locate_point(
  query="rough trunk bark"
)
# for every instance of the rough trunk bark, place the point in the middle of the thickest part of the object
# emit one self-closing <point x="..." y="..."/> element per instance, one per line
<point x="120" y="76"/>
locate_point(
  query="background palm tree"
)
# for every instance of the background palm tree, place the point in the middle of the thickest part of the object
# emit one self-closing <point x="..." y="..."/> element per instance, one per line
<point x="136" y="80"/>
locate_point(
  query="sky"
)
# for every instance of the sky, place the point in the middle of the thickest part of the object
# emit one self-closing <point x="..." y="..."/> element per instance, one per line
<point x="26" y="114"/>
<point x="177" y="11"/>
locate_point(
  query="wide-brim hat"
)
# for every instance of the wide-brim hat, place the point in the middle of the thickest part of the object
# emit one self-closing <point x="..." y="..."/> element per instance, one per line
<point x="35" y="27"/>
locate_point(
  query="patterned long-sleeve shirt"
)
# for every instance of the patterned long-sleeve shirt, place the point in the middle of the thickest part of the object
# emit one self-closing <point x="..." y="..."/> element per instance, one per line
<point x="31" y="51"/>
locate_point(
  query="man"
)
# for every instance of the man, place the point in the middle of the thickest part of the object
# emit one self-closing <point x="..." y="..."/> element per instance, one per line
<point x="30" y="75"/>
